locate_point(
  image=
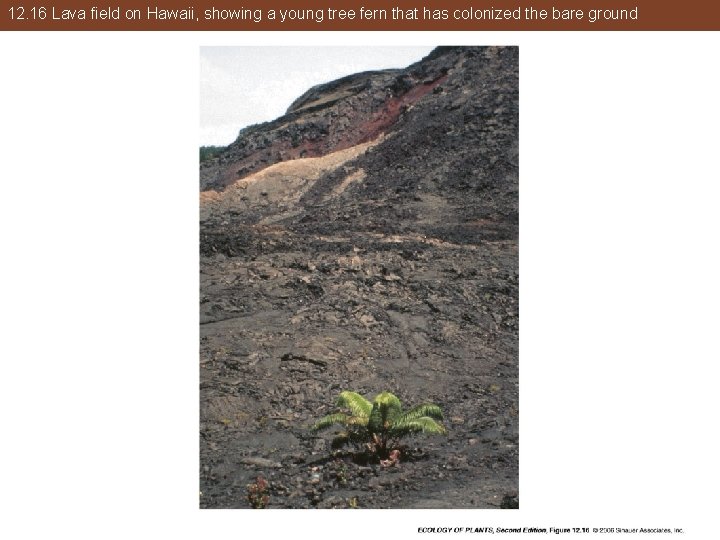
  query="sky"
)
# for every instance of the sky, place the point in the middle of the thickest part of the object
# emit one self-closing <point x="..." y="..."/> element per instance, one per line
<point x="240" y="86"/>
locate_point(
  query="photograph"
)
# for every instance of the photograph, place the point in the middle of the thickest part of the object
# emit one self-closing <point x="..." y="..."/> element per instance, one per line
<point x="359" y="278"/>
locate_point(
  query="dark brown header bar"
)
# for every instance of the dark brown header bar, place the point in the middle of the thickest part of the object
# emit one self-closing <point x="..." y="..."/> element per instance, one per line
<point x="460" y="15"/>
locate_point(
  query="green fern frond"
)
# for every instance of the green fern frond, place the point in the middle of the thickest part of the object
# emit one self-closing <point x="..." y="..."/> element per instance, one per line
<point x="329" y="420"/>
<point x="389" y="400"/>
<point x="375" y="422"/>
<point x="358" y="405"/>
<point x="428" y="409"/>
<point x="386" y="408"/>
<point x="424" y="424"/>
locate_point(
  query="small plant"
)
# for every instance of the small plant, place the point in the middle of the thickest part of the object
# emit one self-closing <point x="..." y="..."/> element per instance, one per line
<point x="257" y="493"/>
<point x="378" y="425"/>
<point x="342" y="473"/>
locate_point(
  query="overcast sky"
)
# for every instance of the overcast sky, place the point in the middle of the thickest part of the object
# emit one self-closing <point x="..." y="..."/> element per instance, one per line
<point x="240" y="86"/>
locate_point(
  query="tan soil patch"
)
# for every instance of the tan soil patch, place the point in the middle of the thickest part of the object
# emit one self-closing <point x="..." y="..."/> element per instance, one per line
<point x="287" y="181"/>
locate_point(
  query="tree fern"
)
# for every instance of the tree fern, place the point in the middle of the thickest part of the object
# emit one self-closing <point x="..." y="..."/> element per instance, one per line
<point x="376" y="424"/>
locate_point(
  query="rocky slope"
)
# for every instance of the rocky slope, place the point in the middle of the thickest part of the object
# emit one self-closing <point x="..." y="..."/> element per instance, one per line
<point x="366" y="240"/>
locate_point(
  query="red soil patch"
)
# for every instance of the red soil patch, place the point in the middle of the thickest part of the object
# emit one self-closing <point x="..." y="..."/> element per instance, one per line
<point x="367" y="129"/>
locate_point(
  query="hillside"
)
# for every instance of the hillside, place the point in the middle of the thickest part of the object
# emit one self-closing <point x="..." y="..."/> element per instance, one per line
<point x="367" y="240"/>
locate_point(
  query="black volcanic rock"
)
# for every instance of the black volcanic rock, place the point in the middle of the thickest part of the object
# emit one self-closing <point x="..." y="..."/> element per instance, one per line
<point x="366" y="240"/>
